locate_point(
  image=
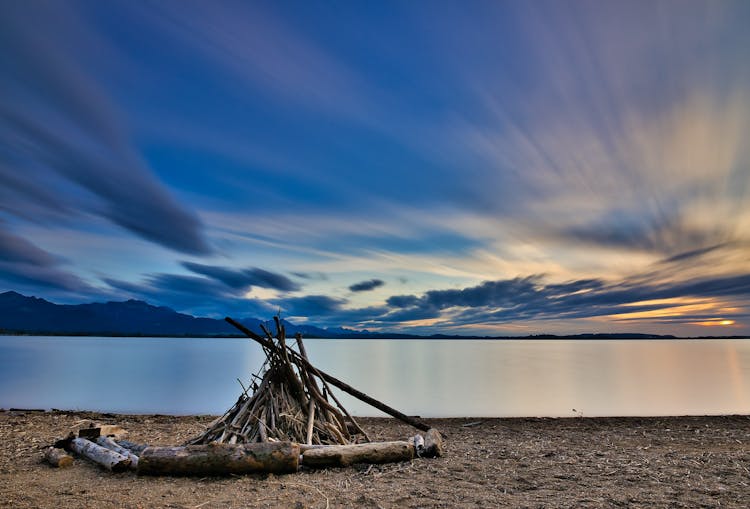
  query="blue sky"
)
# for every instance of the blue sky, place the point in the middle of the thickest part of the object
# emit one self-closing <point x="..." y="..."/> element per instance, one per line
<point x="464" y="167"/>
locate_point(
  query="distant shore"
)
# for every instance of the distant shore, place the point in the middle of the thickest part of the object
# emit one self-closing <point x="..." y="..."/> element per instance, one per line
<point x="521" y="462"/>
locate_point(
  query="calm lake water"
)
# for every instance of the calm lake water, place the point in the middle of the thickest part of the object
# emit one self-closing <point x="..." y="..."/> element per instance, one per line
<point x="419" y="377"/>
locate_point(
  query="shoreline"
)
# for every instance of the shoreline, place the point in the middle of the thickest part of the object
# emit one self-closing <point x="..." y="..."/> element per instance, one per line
<point x="679" y="461"/>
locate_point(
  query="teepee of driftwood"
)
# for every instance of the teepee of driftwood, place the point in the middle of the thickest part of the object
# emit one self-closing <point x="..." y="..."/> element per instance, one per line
<point x="289" y="400"/>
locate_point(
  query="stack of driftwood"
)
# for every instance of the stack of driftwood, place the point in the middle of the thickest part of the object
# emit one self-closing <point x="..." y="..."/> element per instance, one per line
<point x="289" y="402"/>
<point x="283" y="420"/>
<point x="96" y="442"/>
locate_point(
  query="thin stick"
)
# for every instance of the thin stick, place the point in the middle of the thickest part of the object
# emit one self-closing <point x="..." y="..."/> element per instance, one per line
<point x="262" y="426"/>
<point x="310" y="420"/>
<point x="244" y="389"/>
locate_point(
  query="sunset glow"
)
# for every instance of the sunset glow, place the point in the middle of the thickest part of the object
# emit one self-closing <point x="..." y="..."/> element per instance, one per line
<point x="716" y="323"/>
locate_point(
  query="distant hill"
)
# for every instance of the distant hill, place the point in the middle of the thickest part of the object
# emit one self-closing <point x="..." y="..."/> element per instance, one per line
<point x="131" y="317"/>
<point x="32" y="315"/>
<point x="20" y="314"/>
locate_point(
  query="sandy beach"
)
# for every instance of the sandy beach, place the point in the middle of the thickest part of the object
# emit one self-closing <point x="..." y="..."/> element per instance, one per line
<point x="574" y="462"/>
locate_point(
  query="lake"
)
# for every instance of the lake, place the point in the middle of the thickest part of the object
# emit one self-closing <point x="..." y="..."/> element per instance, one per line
<point x="501" y="378"/>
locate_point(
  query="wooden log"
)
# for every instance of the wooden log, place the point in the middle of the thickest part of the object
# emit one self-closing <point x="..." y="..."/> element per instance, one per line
<point x="220" y="459"/>
<point x="332" y="380"/>
<point x="114" y="446"/>
<point x="307" y="447"/>
<point x="418" y="441"/>
<point x="433" y="444"/>
<point x="132" y="446"/>
<point x="110" y="460"/>
<point x="346" y="455"/>
<point x="57" y="457"/>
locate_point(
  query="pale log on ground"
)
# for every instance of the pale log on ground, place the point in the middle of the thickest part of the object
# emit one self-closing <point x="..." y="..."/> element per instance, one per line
<point x="114" y="446"/>
<point x="57" y="457"/>
<point x="346" y="455"/>
<point x="132" y="446"/>
<point x="110" y="460"/>
<point x="418" y="441"/>
<point x="220" y="459"/>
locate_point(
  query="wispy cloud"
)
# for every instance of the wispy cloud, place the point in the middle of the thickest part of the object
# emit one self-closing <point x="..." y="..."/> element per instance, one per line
<point x="251" y="42"/>
<point x="57" y="126"/>
<point x="179" y="292"/>
<point x="25" y="265"/>
<point x="366" y="286"/>
<point x="244" y="278"/>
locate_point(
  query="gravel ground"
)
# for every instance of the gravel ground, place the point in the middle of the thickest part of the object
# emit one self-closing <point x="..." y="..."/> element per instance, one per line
<point x="575" y="462"/>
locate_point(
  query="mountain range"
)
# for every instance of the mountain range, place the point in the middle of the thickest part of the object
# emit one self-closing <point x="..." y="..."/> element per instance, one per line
<point x="20" y="314"/>
<point x="32" y="315"/>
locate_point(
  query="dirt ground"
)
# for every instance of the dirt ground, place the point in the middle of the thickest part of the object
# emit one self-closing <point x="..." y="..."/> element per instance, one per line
<point x="575" y="462"/>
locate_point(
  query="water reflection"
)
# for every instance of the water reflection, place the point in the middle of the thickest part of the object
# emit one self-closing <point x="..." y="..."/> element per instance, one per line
<point x="428" y="378"/>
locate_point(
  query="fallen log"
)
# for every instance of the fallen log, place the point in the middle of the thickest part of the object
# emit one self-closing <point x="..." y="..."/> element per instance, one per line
<point x="132" y="446"/>
<point x="330" y="379"/>
<point x="418" y="441"/>
<point x="57" y="457"/>
<point x="110" y="460"/>
<point x="433" y="444"/>
<point x="114" y="446"/>
<point x="346" y="455"/>
<point x="220" y="459"/>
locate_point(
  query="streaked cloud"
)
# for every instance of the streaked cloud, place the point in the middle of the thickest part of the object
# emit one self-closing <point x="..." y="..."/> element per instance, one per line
<point x="59" y="130"/>
<point x="366" y="286"/>
<point x="244" y="278"/>
<point x="25" y="265"/>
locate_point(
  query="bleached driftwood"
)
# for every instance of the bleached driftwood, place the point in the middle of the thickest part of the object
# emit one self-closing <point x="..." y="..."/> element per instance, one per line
<point x="220" y="459"/>
<point x="287" y="404"/>
<point x="114" y="446"/>
<point x="418" y="441"/>
<point x="133" y="447"/>
<point x="433" y="444"/>
<point x="57" y="457"/>
<point x="346" y="455"/>
<point x="110" y="460"/>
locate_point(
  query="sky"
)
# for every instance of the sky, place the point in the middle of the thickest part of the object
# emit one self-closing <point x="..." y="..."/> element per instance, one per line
<point x="482" y="167"/>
